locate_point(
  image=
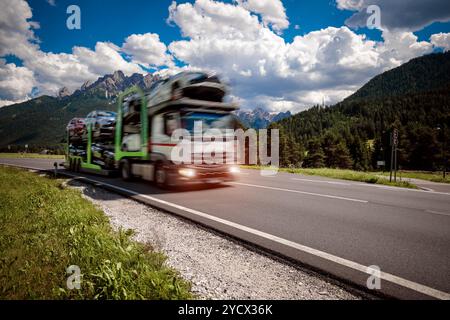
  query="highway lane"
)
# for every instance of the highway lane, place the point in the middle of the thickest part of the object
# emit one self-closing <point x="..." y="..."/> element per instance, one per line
<point x="404" y="232"/>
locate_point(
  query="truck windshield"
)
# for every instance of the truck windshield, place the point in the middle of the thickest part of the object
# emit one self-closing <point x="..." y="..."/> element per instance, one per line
<point x="208" y="120"/>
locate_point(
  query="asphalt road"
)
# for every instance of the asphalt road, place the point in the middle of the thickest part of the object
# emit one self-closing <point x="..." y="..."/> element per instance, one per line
<point x="337" y="226"/>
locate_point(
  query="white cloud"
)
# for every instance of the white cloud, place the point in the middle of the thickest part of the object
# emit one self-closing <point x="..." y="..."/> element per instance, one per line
<point x="272" y="12"/>
<point x="264" y="70"/>
<point x="147" y="50"/>
<point x="400" y="47"/>
<point x="55" y="70"/>
<point x="207" y="18"/>
<point x="239" y="40"/>
<point x="15" y="82"/>
<point x="441" y="40"/>
<point x="106" y="58"/>
<point x="16" y="30"/>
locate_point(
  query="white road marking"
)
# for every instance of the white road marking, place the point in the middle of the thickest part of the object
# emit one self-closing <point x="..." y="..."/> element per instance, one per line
<point x="439" y="213"/>
<point x="300" y="192"/>
<point x="348" y="263"/>
<point x="430" y="191"/>
<point x="322" y="181"/>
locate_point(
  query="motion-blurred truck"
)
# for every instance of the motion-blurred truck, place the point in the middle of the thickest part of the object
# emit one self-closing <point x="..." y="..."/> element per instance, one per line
<point x="142" y="145"/>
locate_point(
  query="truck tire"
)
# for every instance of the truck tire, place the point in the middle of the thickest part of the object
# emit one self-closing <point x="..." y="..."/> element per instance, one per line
<point x="161" y="177"/>
<point x="78" y="165"/>
<point x="125" y="170"/>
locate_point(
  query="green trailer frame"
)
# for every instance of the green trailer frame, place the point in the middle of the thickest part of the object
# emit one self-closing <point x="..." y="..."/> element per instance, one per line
<point x="119" y="154"/>
<point x="88" y="165"/>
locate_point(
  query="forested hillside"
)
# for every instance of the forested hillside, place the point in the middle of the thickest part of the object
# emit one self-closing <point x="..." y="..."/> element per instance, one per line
<point x="414" y="98"/>
<point x="42" y="121"/>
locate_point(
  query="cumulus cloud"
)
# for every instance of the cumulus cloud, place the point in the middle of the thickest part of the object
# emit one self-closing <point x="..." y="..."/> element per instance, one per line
<point x="106" y="58"/>
<point x="405" y="15"/>
<point x="51" y="71"/>
<point x="272" y="12"/>
<point x="401" y="46"/>
<point x="441" y="40"/>
<point x="147" y="50"/>
<point x="241" y="40"/>
<point x="324" y="65"/>
<point x="16" y="29"/>
<point x="15" y="82"/>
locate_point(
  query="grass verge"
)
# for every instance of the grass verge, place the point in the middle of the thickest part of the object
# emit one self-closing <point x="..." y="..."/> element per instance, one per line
<point x="344" y="175"/>
<point x="30" y="156"/>
<point x="46" y="227"/>
<point x="429" y="176"/>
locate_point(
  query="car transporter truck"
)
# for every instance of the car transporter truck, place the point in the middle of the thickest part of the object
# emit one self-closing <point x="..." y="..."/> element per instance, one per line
<point x="141" y="143"/>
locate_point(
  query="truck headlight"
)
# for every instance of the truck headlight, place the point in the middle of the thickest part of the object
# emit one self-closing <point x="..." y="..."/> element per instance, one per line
<point x="188" y="173"/>
<point x="235" y="169"/>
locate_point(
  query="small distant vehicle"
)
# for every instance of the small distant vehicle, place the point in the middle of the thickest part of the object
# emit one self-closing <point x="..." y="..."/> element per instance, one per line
<point x="193" y="85"/>
<point x="76" y="127"/>
<point x="103" y="122"/>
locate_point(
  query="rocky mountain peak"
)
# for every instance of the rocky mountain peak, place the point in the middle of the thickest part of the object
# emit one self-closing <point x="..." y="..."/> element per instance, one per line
<point x="115" y="83"/>
<point x="64" y="92"/>
<point x="260" y="118"/>
<point x="118" y="76"/>
<point x="86" y="85"/>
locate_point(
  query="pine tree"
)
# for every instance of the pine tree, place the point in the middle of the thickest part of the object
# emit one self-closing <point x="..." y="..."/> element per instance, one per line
<point x="342" y="159"/>
<point x="295" y="152"/>
<point x="315" y="157"/>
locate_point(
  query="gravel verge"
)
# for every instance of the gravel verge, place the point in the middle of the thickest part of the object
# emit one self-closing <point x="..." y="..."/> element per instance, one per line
<point x="218" y="268"/>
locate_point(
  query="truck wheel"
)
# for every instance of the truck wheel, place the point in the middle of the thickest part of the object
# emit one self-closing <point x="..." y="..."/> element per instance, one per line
<point x="125" y="170"/>
<point x="78" y="165"/>
<point x="161" y="176"/>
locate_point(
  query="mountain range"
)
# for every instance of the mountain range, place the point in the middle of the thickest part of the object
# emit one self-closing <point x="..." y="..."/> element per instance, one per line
<point x="413" y="99"/>
<point x="355" y="133"/>
<point x="42" y="121"/>
<point x="259" y="118"/>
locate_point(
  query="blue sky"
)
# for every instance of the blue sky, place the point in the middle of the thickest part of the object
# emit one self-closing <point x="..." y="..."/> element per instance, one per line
<point x="280" y="55"/>
<point x="113" y="20"/>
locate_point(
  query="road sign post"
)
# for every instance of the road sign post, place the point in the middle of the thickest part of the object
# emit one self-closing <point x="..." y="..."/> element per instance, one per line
<point x="394" y="144"/>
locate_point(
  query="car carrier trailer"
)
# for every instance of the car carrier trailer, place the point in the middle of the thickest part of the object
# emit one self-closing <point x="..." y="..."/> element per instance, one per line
<point x="142" y="145"/>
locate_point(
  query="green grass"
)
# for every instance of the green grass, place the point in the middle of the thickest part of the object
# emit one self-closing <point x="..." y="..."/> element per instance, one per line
<point x="31" y="156"/>
<point x="422" y="175"/>
<point x="344" y="175"/>
<point x="45" y="227"/>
